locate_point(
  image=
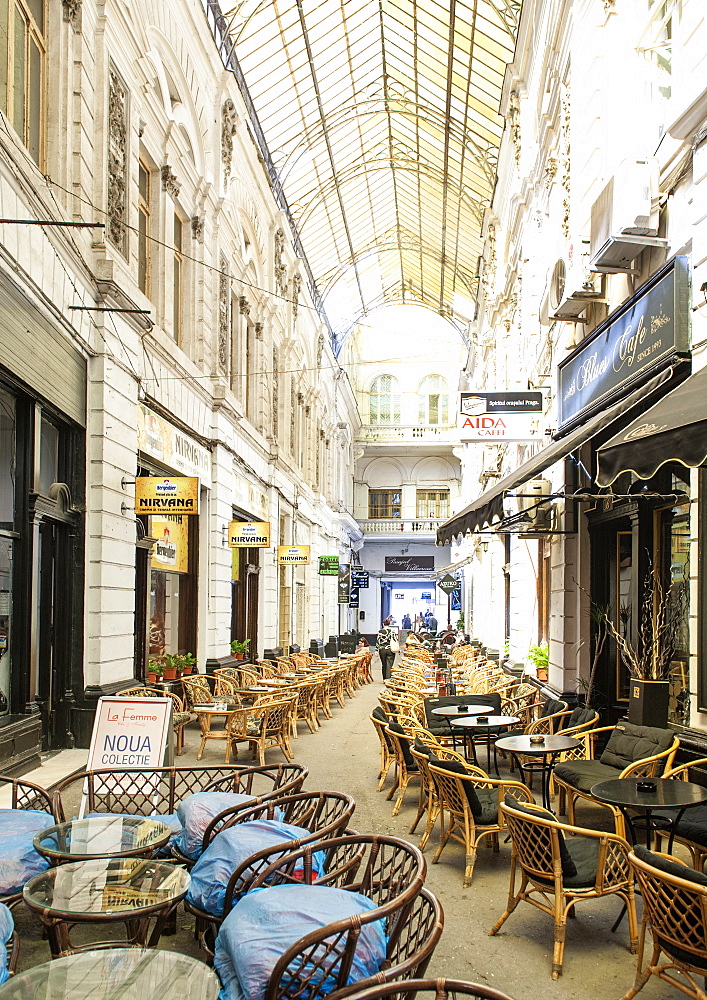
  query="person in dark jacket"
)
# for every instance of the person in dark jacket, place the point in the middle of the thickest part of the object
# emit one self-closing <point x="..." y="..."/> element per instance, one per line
<point x="388" y="633"/>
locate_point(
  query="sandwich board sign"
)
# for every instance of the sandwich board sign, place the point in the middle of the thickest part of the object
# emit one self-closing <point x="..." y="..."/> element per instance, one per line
<point x="130" y="732"/>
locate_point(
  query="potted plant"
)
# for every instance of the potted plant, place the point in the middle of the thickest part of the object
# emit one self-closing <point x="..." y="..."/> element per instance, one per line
<point x="239" y="647"/>
<point x="177" y="662"/>
<point x="154" y="671"/>
<point x="649" y="658"/>
<point x="539" y="655"/>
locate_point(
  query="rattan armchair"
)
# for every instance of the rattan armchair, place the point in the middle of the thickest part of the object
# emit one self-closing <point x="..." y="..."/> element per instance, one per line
<point x="267" y="724"/>
<point x="323" y="814"/>
<point x="691" y="828"/>
<point x="675" y="910"/>
<point x="180" y="716"/>
<point x="405" y="764"/>
<point x="387" y="754"/>
<point x="26" y="795"/>
<point x="562" y="865"/>
<point x="469" y="805"/>
<point x="577" y="770"/>
<point x="424" y="989"/>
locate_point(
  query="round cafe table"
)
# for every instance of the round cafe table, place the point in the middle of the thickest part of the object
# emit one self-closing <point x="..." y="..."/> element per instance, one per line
<point x="453" y="711"/>
<point x="128" y="973"/>
<point x="486" y="726"/>
<point x="132" y="891"/>
<point x="106" y="836"/>
<point x="638" y="807"/>
<point x="543" y="756"/>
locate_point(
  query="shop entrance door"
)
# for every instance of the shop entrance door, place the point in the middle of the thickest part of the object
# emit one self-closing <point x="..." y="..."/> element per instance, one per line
<point x="53" y="639"/>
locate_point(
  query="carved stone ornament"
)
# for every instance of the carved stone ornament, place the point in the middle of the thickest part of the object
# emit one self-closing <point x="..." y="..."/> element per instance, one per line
<point x="550" y="171"/>
<point x="280" y="267"/>
<point x="296" y="286"/>
<point x="224" y="318"/>
<point x="243" y="305"/>
<point x="197" y="228"/>
<point x="514" y="123"/>
<point x="258" y="331"/>
<point x="117" y="159"/>
<point x="609" y="6"/>
<point x="229" y="124"/>
<point x="72" y="11"/>
<point x="275" y="392"/>
<point x="320" y="350"/>
<point x="170" y="184"/>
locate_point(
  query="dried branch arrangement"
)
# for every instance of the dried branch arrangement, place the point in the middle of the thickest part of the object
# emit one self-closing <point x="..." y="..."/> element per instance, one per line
<point x="649" y="658"/>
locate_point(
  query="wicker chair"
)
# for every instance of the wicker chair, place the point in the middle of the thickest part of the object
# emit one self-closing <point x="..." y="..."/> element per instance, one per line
<point x="380" y="723"/>
<point x="412" y="950"/>
<point x="324" y="814"/>
<point x="405" y="765"/>
<point x="675" y="909"/>
<point x="425" y="989"/>
<point x="267" y="724"/>
<point x="389" y="871"/>
<point x="550" y="719"/>
<point x="180" y="717"/>
<point x="26" y="795"/>
<point x="562" y="865"/>
<point x="469" y="805"/>
<point x="574" y="776"/>
<point x="691" y="829"/>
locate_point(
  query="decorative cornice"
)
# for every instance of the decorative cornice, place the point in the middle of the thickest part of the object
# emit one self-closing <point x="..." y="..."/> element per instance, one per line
<point x="243" y="305"/>
<point x="229" y="124"/>
<point x="170" y="184"/>
<point x="72" y="12"/>
<point x="197" y="228"/>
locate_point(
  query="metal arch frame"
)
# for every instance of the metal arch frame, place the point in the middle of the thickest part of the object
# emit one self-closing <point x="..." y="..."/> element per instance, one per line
<point x="340" y="337"/>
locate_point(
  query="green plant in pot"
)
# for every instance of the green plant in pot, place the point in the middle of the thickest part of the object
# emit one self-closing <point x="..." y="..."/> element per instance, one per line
<point x="539" y="656"/>
<point x="176" y="664"/>
<point x="154" y="670"/>
<point x="239" y="648"/>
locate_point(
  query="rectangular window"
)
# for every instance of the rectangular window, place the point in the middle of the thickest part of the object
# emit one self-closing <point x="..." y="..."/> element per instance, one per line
<point x="433" y="503"/>
<point x="143" y="229"/>
<point x="178" y="278"/>
<point x="22" y="61"/>
<point x="383" y="504"/>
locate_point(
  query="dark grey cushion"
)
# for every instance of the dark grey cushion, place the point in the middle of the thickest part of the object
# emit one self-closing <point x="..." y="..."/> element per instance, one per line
<point x="569" y="868"/>
<point x="552" y="707"/>
<point x="380" y="715"/>
<point x="579" y="716"/>
<point x="582" y="774"/>
<point x="692" y="825"/>
<point x="690" y="875"/>
<point x="410" y="762"/>
<point x="629" y="743"/>
<point x="420" y="747"/>
<point x="483" y="802"/>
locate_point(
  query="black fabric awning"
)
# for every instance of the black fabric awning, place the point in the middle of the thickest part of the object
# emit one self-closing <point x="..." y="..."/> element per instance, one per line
<point x="489" y="506"/>
<point x="674" y="430"/>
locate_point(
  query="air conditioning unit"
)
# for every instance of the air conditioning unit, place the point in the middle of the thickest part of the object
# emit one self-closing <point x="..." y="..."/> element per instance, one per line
<point x="624" y="218"/>
<point x="571" y="288"/>
<point x="523" y="504"/>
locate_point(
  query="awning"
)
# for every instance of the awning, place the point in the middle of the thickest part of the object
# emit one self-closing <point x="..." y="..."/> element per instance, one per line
<point x="659" y="435"/>
<point x="489" y="506"/>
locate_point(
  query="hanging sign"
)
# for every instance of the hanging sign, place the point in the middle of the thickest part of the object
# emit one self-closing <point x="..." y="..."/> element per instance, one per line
<point x="166" y="495"/>
<point x="249" y="534"/>
<point x="292" y="555"/>
<point x="328" y="565"/>
<point x="447" y="583"/>
<point x="510" y="416"/>
<point x="344" y="583"/>
<point x="359" y="579"/>
<point x="159" y="439"/>
<point x="171" y="550"/>
<point x="353" y="597"/>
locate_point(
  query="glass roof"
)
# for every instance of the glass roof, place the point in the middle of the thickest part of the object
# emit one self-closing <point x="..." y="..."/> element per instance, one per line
<point x="381" y="118"/>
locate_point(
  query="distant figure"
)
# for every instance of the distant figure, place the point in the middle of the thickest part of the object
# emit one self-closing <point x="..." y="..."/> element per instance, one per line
<point x="431" y="623"/>
<point x="387" y="635"/>
<point x="406" y="623"/>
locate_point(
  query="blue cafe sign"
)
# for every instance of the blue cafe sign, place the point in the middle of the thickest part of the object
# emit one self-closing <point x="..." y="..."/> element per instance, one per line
<point x="636" y="341"/>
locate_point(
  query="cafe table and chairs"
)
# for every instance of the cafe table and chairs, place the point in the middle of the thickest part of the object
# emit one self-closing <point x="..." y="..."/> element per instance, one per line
<point x="206" y="713"/>
<point x="650" y="804"/>
<point x="102" y="836"/>
<point x="138" y="892"/>
<point x="108" y="973"/>
<point x="487" y="728"/>
<point x="536" y="755"/>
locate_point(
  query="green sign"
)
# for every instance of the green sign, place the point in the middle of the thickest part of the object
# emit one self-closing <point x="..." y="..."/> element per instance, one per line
<point x="328" y="565"/>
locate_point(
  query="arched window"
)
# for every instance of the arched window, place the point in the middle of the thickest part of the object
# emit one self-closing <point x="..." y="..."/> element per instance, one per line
<point x="384" y="400"/>
<point x="433" y="400"/>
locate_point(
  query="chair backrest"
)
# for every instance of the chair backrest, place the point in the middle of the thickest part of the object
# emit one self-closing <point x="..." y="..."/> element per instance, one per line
<point x="197" y="690"/>
<point x="140" y="691"/>
<point x="429" y="989"/>
<point x="159" y="790"/>
<point x="27" y="795"/>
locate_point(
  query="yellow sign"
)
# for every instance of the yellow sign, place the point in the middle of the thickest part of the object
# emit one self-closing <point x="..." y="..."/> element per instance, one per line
<point x="167" y="495"/>
<point x="290" y="555"/>
<point x="171" y="550"/>
<point x="235" y="565"/>
<point x="249" y="534"/>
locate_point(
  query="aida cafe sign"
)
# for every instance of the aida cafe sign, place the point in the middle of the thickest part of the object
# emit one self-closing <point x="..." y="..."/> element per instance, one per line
<point x="249" y="534"/>
<point x="167" y="495"/>
<point x="500" y="416"/>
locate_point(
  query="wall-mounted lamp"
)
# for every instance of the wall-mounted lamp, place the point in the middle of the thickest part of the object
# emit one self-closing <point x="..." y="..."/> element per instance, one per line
<point x="484" y="546"/>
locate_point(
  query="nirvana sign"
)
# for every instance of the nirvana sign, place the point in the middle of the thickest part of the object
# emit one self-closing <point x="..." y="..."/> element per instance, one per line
<point x="640" y="338"/>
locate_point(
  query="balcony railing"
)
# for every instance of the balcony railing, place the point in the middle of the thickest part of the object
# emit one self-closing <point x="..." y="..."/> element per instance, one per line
<point x="404" y="433"/>
<point x="394" y="526"/>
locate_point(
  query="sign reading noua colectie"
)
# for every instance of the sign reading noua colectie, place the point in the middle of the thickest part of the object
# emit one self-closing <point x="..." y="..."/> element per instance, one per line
<point x="292" y="555"/>
<point x="249" y="534"/>
<point x="167" y="495"/>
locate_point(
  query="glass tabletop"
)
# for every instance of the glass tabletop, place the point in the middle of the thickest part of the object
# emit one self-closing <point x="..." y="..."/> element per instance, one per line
<point x="105" y="886"/>
<point x="667" y="793"/>
<point x="549" y="744"/>
<point x="490" y="721"/>
<point x="460" y="710"/>
<point x="102" y="836"/>
<point x="138" y="974"/>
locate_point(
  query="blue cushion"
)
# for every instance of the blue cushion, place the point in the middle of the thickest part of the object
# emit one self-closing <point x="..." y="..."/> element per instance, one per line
<point x="265" y="923"/>
<point x="227" y="852"/>
<point x="19" y="861"/>
<point x="196" y="812"/>
<point x="7" y="926"/>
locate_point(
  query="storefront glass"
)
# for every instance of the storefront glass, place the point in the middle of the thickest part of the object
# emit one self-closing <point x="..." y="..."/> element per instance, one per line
<point x="170" y="630"/>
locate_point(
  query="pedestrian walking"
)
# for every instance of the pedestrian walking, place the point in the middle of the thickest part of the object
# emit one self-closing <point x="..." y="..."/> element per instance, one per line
<point x="387" y="646"/>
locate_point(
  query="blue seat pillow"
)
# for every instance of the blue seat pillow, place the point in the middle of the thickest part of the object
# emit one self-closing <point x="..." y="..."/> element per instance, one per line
<point x="196" y="812"/>
<point x="19" y="862"/>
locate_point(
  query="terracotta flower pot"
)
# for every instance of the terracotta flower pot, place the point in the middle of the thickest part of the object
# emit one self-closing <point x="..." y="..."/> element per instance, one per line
<point x="170" y="673"/>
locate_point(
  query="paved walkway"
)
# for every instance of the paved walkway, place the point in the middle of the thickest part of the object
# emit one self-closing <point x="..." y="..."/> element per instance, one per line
<point x="343" y="755"/>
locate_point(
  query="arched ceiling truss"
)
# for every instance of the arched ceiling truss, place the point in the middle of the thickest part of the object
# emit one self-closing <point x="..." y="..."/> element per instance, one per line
<point x="382" y="121"/>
